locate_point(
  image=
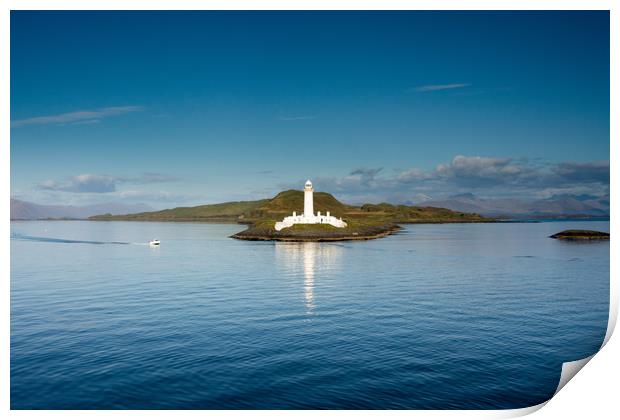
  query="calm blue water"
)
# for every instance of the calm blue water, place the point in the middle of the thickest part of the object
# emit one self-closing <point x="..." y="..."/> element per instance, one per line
<point x="438" y="316"/>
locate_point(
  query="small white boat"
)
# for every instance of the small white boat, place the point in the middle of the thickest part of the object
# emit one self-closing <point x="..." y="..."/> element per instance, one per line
<point x="154" y="242"/>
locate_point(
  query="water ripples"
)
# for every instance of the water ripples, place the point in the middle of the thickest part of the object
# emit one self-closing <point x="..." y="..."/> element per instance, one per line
<point x="432" y="318"/>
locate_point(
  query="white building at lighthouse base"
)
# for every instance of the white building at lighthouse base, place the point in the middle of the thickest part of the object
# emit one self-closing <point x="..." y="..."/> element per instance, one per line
<point x="310" y="220"/>
<point x="308" y="217"/>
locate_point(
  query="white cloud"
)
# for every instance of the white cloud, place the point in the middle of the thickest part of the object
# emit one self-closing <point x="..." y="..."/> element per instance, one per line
<point x="83" y="183"/>
<point x="584" y="172"/>
<point x="480" y="170"/>
<point x="94" y="183"/>
<point x="77" y="117"/>
<point x="491" y="176"/>
<point x="432" y="88"/>
<point x="297" y="118"/>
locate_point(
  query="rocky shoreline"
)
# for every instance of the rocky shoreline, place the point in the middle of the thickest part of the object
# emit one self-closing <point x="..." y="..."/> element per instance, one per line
<point x="317" y="233"/>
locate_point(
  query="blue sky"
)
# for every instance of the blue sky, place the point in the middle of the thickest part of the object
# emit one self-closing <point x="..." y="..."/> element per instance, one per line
<point x="181" y="108"/>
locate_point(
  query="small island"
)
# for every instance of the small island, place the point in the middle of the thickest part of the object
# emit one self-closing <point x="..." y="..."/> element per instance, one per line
<point x="357" y="230"/>
<point x="581" y="235"/>
<point x="290" y="216"/>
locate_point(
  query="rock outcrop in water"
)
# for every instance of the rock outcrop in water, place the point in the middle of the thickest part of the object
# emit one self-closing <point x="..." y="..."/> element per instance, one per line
<point x="581" y="235"/>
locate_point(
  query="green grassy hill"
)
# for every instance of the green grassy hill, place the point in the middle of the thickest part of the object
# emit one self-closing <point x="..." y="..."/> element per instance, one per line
<point x="289" y="201"/>
<point x="286" y="202"/>
<point x="224" y="212"/>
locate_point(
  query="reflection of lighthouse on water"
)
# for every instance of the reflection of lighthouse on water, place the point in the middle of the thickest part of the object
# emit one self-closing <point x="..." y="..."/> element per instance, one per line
<point x="309" y="259"/>
<point x="313" y="260"/>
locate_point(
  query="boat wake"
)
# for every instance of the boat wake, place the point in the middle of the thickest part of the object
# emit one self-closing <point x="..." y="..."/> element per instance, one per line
<point x="21" y="237"/>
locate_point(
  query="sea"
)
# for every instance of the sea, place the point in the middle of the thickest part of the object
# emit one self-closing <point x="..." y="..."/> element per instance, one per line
<point x="438" y="316"/>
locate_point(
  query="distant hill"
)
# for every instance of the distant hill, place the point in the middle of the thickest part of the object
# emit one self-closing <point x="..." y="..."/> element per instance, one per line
<point x="24" y="210"/>
<point x="233" y="210"/>
<point x="555" y="206"/>
<point x="286" y="202"/>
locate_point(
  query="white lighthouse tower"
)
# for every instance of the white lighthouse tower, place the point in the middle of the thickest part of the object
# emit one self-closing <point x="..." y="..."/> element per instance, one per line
<point x="308" y="200"/>
<point x="308" y="217"/>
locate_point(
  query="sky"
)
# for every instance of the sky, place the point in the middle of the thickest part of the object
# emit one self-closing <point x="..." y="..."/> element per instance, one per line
<point x="188" y="108"/>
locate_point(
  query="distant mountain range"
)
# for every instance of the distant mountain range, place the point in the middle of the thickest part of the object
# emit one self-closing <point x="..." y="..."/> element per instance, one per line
<point x="555" y="206"/>
<point x="24" y="210"/>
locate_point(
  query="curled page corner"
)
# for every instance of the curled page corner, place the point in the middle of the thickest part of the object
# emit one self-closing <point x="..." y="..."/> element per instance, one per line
<point x="613" y="314"/>
<point x="570" y="369"/>
<point x="519" y="412"/>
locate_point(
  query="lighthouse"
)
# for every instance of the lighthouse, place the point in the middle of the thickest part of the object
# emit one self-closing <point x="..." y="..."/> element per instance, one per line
<point x="308" y="217"/>
<point x="308" y="199"/>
